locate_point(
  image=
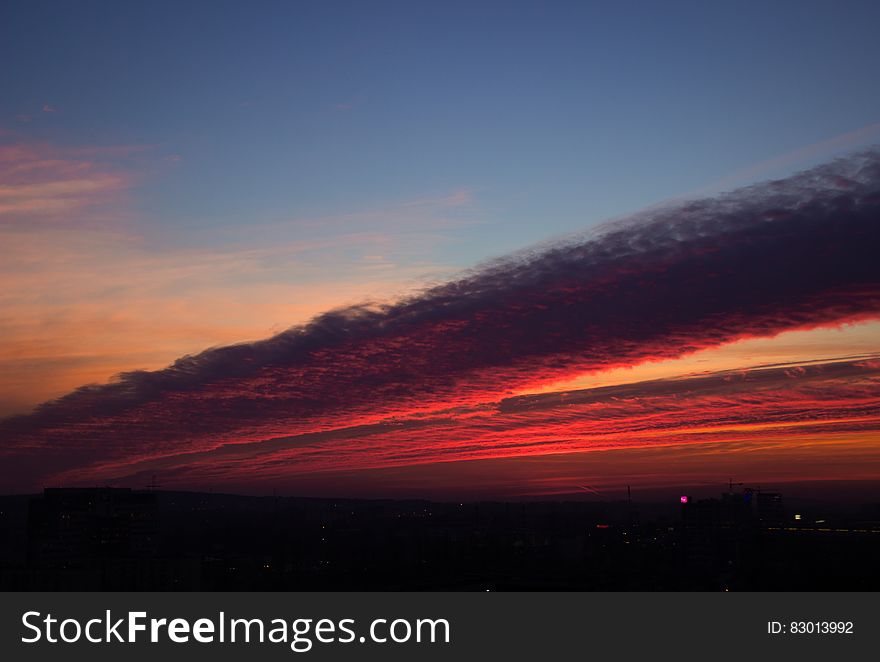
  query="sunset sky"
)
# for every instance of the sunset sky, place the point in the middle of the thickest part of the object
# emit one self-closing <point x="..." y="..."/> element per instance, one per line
<point x="448" y="249"/>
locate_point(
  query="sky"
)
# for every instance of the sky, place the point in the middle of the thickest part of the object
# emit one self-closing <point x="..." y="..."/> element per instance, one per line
<point x="336" y="247"/>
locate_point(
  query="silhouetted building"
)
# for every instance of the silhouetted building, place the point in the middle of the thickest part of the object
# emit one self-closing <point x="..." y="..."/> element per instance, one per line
<point x="111" y="539"/>
<point x="769" y="508"/>
<point x="92" y="523"/>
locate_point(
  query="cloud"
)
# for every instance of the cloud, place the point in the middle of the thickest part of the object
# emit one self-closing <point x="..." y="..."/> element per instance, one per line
<point x="757" y="410"/>
<point x="81" y="304"/>
<point x="458" y="198"/>
<point x="801" y="157"/>
<point x="789" y="254"/>
<point x="38" y="181"/>
<point x="91" y="288"/>
<point x="421" y="215"/>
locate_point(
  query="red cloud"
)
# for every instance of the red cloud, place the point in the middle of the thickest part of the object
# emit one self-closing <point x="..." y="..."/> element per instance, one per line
<point x="790" y="254"/>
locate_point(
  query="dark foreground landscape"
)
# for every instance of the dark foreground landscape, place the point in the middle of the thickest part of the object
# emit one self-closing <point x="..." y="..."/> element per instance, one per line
<point x="119" y="539"/>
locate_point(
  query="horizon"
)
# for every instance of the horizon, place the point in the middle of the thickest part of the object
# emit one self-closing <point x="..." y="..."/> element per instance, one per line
<point x="831" y="493"/>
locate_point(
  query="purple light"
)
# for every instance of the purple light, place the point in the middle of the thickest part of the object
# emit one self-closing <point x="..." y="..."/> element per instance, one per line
<point x="684" y="499"/>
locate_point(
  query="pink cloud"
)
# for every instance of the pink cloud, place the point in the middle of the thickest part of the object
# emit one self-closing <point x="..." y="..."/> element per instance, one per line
<point x="37" y="179"/>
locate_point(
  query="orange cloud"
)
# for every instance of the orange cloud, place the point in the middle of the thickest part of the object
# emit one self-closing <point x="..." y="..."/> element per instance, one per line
<point x="781" y="424"/>
<point x="86" y="296"/>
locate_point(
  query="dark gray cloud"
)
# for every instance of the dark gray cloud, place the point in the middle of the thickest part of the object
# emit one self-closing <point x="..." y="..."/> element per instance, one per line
<point x="792" y="253"/>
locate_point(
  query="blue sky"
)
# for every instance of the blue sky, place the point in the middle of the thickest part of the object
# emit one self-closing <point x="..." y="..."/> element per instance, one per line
<point x="188" y="174"/>
<point x="554" y="115"/>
